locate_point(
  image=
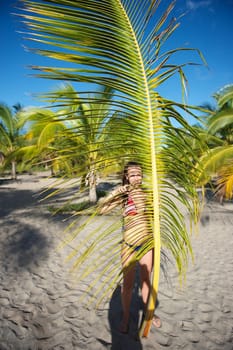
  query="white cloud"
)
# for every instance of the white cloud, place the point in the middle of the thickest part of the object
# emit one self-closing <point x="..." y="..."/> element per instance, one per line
<point x="195" y="4"/>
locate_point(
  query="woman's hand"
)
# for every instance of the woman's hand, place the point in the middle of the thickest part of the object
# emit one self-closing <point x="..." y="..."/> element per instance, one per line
<point x="122" y="189"/>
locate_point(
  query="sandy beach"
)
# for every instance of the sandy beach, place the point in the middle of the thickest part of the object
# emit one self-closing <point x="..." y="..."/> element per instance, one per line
<point x="40" y="302"/>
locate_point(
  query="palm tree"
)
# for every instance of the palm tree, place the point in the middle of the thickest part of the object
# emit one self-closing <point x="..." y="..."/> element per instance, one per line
<point x="118" y="44"/>
<point x="47" y="136"/>
<point x="82" y="125"/>
<point x="92" y="124"/>
<point x="217" y="162"/>
<point x="10" y="135"/>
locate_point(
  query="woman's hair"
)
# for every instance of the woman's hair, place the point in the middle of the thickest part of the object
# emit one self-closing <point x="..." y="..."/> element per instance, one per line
<point x="125" y="181"/>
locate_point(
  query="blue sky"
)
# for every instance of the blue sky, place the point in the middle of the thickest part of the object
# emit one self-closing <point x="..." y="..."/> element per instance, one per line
<point x="207" y="26"/>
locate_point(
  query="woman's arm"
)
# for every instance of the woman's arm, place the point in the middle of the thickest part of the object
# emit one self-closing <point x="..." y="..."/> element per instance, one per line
<point x="114" y="199"/>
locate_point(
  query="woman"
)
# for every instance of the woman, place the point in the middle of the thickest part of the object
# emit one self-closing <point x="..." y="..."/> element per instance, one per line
<point x="136" y="235"/>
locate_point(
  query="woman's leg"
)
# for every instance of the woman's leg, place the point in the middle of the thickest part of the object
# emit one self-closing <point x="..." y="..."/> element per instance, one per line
<point x="129" y="269"/>
<point x="126" y="295"/>
<point x="146" y="265"/>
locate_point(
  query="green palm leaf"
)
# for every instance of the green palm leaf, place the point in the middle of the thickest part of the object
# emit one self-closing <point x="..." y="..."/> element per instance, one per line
<point x="224" y="97"/>
<point x="214" y="160"/>
<point x="221" y="120"/>
<point x="117" y="44"/>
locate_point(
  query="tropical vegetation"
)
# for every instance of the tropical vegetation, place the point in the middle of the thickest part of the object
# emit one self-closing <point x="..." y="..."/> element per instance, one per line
<point x="217" y="161"/>
<point x="91" y="122"/>
<point x="11" y="138"/>
<point x="67" y="136"/>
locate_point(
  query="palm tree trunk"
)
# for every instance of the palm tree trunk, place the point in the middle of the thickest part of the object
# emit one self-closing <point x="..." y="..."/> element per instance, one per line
<point x="92" y="186"/>
<point x="2" y="158"/>
<point x="13" y="170"/>
<point x="92" y="194"/>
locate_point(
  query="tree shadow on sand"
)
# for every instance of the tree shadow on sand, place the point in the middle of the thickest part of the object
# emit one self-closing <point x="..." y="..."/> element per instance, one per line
<point x="12" y="200"/>
<point x="25" y="246"/>
<point x="22" y="244"/>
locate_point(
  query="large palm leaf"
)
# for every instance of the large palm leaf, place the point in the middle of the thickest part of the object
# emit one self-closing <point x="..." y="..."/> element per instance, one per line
<point x="117" y="44"/>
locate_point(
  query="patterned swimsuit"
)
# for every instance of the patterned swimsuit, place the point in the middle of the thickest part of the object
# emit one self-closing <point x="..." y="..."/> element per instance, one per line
<point x="135" y="230"/>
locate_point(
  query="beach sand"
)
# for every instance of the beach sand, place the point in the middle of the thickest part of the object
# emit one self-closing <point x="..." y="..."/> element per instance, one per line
<point x="41" y="304"/>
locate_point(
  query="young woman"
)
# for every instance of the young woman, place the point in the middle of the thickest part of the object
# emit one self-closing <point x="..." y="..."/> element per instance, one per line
<point x="136" y="235"/>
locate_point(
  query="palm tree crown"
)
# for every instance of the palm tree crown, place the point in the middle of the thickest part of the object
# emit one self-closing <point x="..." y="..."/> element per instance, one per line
<point x="217" y="162"/>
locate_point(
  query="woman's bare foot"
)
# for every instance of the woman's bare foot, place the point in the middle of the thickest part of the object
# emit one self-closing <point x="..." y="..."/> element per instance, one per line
<point x="156" y="321"/>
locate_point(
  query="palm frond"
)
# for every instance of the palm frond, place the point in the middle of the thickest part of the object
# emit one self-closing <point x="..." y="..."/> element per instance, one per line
<point x="213" y="161"/>
<point x="221" y="120"/>
<point x="224" y="96"/>
<point x="116" y="44"/>
<point x="224" y="182"/>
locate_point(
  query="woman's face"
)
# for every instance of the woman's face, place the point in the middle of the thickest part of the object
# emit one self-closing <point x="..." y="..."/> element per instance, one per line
<point x="134" y="175"/>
